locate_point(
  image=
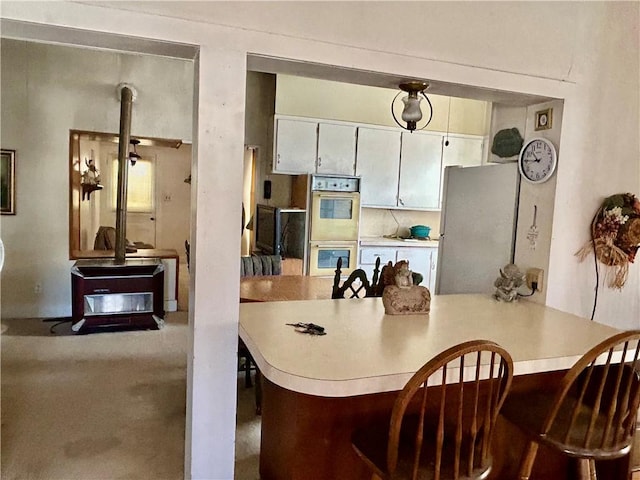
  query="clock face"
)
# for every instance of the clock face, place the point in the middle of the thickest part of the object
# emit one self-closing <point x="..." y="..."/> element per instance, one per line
<point x="537" y="160"/>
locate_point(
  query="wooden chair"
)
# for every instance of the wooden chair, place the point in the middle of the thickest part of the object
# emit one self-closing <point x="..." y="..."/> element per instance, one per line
<point x="442" y="421"/>
<point x="356" y="283"/>
<point x="592" y="415"/>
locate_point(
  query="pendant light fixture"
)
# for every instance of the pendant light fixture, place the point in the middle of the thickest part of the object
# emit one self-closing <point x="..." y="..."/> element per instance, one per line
<point x="134" y="156"/>
<point x="411" y="113"/>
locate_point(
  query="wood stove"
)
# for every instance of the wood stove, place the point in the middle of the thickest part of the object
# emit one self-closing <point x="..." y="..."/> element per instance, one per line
<point x="110" y="296"/>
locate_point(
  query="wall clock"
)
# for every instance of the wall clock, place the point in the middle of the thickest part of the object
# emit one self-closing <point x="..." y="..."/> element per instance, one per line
<point x="537" y="160"/>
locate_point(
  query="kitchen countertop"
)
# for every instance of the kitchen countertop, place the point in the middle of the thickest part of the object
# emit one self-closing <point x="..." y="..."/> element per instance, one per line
<point x="396" y="242"/>
<point x="366" y="351"/>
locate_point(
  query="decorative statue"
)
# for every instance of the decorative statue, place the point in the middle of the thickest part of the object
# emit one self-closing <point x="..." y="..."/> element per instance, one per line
<point x="401" y="294"/>
<point x="91" y="176"/>
<point x="90" y="179"/>
<point x="507" y="284"/>
<point x="402" y="275"/>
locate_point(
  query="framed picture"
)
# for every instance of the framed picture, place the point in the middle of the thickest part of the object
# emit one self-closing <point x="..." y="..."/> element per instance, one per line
<point x="8" y="182"/>
<point x="544" y="118"/>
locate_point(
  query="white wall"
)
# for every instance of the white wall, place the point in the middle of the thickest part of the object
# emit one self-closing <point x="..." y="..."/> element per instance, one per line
<point x="315" y="98"/>
<point x="588" y="57"/>
<point x="47" y="91"/>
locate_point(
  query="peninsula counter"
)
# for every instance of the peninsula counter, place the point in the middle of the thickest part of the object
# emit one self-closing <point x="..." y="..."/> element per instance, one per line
<point x="317" y="389"/>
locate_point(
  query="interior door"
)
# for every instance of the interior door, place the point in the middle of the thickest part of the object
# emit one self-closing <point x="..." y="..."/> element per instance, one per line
<point x="141" y="227"/>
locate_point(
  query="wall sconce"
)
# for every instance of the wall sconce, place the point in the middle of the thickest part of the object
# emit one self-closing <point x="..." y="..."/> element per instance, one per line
<point x="411" y="113"/>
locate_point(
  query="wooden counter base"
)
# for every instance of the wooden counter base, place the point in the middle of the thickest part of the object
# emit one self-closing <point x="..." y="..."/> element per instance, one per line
<point x="306" y="437"/>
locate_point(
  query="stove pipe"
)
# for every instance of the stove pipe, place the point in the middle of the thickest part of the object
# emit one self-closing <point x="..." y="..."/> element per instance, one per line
<point x="126" y="101"/>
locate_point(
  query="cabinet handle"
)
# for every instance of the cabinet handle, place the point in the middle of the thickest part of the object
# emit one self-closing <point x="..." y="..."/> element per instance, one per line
<point x="400" y="201"/>
<point x="319" y="161"/>
<point x="278" y="160"/>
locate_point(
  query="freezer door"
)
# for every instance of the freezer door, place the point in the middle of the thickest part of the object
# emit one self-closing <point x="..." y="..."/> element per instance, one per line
<point x="477" y="227"/>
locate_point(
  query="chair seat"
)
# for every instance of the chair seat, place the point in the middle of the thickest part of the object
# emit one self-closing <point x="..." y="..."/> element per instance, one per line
<point x="371" y="442"/>
<point x="529" y="410"/>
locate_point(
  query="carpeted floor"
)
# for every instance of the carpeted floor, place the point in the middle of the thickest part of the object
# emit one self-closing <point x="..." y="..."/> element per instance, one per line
<point x="104" y="406"/>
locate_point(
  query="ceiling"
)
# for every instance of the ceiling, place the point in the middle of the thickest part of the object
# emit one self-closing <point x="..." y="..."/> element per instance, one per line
<point x="258" y="63"/>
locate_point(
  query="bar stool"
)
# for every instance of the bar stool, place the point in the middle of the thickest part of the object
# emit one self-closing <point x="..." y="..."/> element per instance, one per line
<point x="592" y="415"/>
<point x="443" y="419"/>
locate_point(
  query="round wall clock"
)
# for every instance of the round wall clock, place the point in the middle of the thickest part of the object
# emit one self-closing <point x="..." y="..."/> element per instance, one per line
<point x="537" y="160"/>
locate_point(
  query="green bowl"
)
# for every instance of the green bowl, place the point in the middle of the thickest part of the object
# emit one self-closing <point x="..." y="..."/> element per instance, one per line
<point x="420" y="231"/>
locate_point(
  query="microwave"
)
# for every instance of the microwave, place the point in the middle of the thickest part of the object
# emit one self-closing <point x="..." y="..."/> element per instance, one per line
<point x="323" y="257"/>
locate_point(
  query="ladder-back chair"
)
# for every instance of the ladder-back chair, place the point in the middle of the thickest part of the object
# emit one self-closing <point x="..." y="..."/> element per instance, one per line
<point x="356" y="284"/>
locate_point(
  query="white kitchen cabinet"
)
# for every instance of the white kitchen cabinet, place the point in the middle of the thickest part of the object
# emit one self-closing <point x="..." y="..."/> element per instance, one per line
<point x="378" y="164"/>
<point x="422" y="260"/>
<point x="336" y="149"/>
<point x="419" y="259"/>
<point x="295" y="146"/>
<point x="464" y="150"/>
<point x="420" y="170"/>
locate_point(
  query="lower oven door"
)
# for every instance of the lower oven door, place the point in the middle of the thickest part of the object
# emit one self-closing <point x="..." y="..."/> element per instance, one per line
<point x="323" y="257"/>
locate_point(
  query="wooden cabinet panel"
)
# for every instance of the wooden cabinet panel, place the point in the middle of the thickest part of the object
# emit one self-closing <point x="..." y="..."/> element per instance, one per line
<point x="378" y="163"/>
<point x="336" y="149"/>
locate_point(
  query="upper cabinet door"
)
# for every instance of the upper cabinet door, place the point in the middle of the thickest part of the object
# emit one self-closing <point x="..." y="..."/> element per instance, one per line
<point x="336" y="149"/>
<point x="378" y="163"/>
<point x="295" y="146"/>
<point x="420" y="167"/>
<point x="463" y="151"/>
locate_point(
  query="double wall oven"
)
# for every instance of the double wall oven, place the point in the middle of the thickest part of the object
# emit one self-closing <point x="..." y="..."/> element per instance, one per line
<point x="334" y="218"/>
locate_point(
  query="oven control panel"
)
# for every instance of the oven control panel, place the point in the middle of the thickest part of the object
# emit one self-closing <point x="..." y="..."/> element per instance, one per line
<point x="332" y="183"/>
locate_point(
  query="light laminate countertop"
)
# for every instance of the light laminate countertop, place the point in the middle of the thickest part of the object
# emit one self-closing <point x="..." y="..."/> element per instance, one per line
<point x="396" y="242"/>
<point x="366" y="351"/>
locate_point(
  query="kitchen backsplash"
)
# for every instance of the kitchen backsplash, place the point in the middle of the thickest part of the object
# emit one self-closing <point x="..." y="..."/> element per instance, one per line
<point x="376" y="222"/>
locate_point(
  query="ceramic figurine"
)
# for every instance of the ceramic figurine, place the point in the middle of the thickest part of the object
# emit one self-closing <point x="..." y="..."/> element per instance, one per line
<point x="507" y="284"/>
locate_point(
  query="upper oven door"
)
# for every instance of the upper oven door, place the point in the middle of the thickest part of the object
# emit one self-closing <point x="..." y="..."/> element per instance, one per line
<point x="335" y="215"/>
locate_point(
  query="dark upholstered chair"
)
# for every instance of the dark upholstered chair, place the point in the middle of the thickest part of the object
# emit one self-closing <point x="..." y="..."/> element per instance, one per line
<point x="592" y="415"/>
<point x="256" y="265"/>
<point x="356" y="285"/>
<point x="442" y="421"/>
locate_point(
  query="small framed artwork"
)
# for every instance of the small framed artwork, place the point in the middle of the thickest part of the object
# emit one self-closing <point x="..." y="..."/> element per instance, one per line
<point x="8" y="182"/>
<point x="544" y="118"/>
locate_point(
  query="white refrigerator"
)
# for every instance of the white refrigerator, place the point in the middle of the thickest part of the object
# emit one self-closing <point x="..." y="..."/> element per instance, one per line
<point x="477" y="227"/>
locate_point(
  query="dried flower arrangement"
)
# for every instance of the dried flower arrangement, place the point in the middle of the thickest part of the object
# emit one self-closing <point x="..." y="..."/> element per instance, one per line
<point x="615" y="235"/>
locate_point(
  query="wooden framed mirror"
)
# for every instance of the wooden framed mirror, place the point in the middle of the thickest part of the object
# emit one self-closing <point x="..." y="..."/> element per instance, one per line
<point x="92" y="156"/>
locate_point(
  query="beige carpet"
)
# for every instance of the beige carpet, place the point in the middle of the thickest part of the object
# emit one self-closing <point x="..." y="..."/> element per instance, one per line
<point x="102" y="406"/>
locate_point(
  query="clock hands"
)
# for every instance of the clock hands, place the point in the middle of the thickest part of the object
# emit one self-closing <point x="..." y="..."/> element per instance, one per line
<point x="536" y="159"/>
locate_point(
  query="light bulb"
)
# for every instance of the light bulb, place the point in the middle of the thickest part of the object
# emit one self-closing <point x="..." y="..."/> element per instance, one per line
<point x="411" y="111"/>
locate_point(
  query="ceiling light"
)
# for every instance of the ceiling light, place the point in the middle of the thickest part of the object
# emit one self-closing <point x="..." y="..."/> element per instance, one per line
<point x="134" y="156"/>
<point x="411" y="113"/>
